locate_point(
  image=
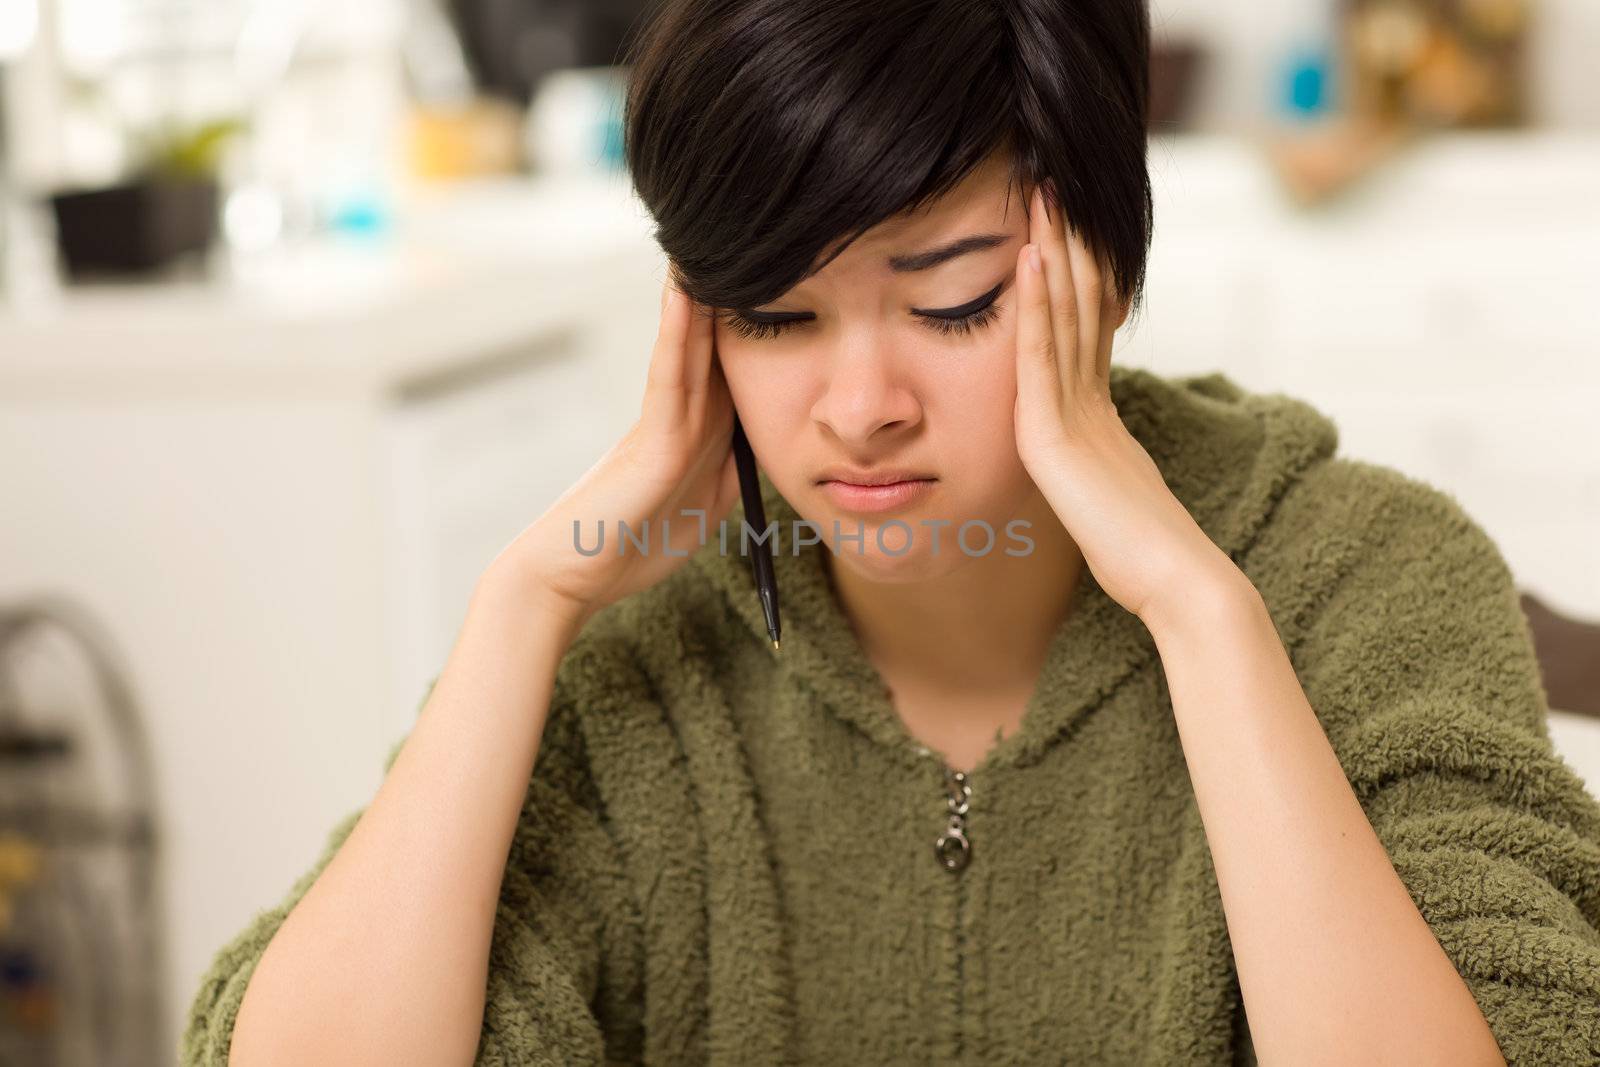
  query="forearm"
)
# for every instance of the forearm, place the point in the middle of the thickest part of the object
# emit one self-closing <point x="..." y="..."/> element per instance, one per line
<point x="1335" y="962"/>
<point x="385" y="959"/>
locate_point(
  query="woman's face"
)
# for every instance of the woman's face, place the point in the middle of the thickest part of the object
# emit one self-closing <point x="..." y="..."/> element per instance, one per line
<point x="876" y="376"/>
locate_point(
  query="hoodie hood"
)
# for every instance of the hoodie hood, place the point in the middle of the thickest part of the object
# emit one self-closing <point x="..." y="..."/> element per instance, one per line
<point x="1227" y="454"/>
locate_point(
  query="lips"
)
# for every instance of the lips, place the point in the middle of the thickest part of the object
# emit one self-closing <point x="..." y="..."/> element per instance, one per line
<point x="889" y="496"/>
<point x="879" y="476"/>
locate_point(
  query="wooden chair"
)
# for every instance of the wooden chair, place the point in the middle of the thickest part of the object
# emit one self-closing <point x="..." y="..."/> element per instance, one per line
<point x="1569" y="656"/>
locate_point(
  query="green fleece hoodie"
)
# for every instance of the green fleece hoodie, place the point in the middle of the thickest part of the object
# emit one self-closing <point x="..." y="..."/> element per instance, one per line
<point x="727" y="855"/>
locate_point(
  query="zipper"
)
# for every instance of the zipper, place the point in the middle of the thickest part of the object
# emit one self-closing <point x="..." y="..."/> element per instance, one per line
<point x="953" y="850"/>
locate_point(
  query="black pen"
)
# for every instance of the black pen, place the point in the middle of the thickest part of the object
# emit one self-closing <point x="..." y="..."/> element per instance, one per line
<point x="756" y="516"/>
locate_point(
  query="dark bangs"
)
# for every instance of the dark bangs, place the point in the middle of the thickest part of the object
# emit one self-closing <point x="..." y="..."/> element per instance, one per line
<point x="766" y="135"/>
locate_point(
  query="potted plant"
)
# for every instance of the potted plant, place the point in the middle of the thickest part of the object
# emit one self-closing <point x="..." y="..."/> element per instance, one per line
<point x="166" y="209"/>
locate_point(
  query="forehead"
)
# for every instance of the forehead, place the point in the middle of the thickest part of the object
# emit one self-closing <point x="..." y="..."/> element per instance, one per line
<point x="983" y="201"/>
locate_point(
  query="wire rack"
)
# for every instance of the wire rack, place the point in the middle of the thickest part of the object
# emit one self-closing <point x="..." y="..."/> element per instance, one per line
<point x="81" y="930"/>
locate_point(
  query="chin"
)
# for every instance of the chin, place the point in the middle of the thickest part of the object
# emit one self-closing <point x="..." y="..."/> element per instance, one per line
<point x="916" y="565"/>
<point x="918" y="562"/>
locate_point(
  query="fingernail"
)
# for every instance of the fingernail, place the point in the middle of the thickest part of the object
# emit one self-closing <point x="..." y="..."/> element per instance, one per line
<point x="1033" y="259"/>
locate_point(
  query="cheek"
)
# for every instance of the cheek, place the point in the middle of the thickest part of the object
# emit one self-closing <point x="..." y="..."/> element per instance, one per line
<point x="768" y="393"/>
<point x="978" y="388"/>
<point x="979" y="407"/>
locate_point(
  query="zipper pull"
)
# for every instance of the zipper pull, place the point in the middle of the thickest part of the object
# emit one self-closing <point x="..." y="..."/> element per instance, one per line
<point x="952" y="848"/>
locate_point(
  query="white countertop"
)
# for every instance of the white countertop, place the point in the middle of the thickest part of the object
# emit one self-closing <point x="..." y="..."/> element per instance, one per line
<point x="472" y="268"/>
<point x="482" y="267"/>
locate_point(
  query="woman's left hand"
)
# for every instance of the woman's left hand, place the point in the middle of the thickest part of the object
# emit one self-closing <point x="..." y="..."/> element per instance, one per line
<point x="1142" y="545"/>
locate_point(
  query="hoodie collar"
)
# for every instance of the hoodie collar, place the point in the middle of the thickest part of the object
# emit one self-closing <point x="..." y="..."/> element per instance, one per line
<point x="1227" y="454"/>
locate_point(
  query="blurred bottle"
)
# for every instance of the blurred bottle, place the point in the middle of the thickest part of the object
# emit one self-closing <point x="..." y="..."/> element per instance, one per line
<point x="479" y="137"/>
<point x="19" y="21"/>
<point x="574" y="124"/>
<point x="455" y="130"/>
<point x="1437" y="66"/>
<point x="357" y="197"/>
<point x="1304" y="76"/>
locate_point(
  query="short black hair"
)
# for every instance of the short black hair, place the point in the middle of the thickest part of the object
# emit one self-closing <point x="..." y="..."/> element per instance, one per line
<point x="760" y="134"/>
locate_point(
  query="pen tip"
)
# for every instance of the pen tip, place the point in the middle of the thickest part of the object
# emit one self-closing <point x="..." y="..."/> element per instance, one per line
<point x="775" y="645"/>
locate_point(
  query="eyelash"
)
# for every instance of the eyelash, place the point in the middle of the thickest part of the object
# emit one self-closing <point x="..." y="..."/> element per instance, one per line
<point x="965" y="324"/>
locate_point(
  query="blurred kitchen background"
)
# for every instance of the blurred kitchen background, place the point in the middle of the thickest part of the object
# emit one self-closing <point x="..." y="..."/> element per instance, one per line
<point x="307" y="308"/>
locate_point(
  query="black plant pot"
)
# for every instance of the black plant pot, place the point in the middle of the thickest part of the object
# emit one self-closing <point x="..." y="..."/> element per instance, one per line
<point x="135" y="227"/>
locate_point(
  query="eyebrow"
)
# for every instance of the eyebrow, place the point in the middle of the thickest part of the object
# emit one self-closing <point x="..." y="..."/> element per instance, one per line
<point x="932" y="257"/>
<point x="906" y="264"/>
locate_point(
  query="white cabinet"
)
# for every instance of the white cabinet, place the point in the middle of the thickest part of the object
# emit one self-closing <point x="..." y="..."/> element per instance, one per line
<point x="1445" y="315"/>
<point x="469" y="466"/>
<point x="278" y="507"/>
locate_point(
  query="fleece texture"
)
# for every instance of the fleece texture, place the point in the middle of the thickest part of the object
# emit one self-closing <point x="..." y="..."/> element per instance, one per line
<point x="726" y="854"/>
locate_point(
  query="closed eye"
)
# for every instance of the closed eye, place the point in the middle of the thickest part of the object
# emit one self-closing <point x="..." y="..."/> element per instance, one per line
<point x="962" y="319"/>
<point x="969" y="308"/>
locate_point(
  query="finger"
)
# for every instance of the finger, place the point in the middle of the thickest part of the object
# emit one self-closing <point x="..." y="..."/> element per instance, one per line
<point x="698" y="338"/>
<point x="701" y="337"/>
<point x="664" y="396"/>
<point x="1110" y="312"/>
<point x="707" y="459"/>
<point x="718" y="390"/>
<point x="1047" y="228"/>
<point x="1090" y="300"/>
<point x="698" y="362"/>
<point x="1038" y="376"/>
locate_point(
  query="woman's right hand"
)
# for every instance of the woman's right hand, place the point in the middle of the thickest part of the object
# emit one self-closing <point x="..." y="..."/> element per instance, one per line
<point x="677" y="457"/>
<point x="359" y="974"/>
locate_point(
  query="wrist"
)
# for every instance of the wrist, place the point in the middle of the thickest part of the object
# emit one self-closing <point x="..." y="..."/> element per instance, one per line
<point x="1207" y="598"/>
<point x="509" y="586"/>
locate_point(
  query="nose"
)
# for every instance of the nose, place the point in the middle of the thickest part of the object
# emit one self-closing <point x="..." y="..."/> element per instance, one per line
<point x="866" y="397"/>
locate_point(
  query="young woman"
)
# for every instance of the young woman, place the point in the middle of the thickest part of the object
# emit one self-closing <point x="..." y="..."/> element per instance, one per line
<point x="1116" y="719"/>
